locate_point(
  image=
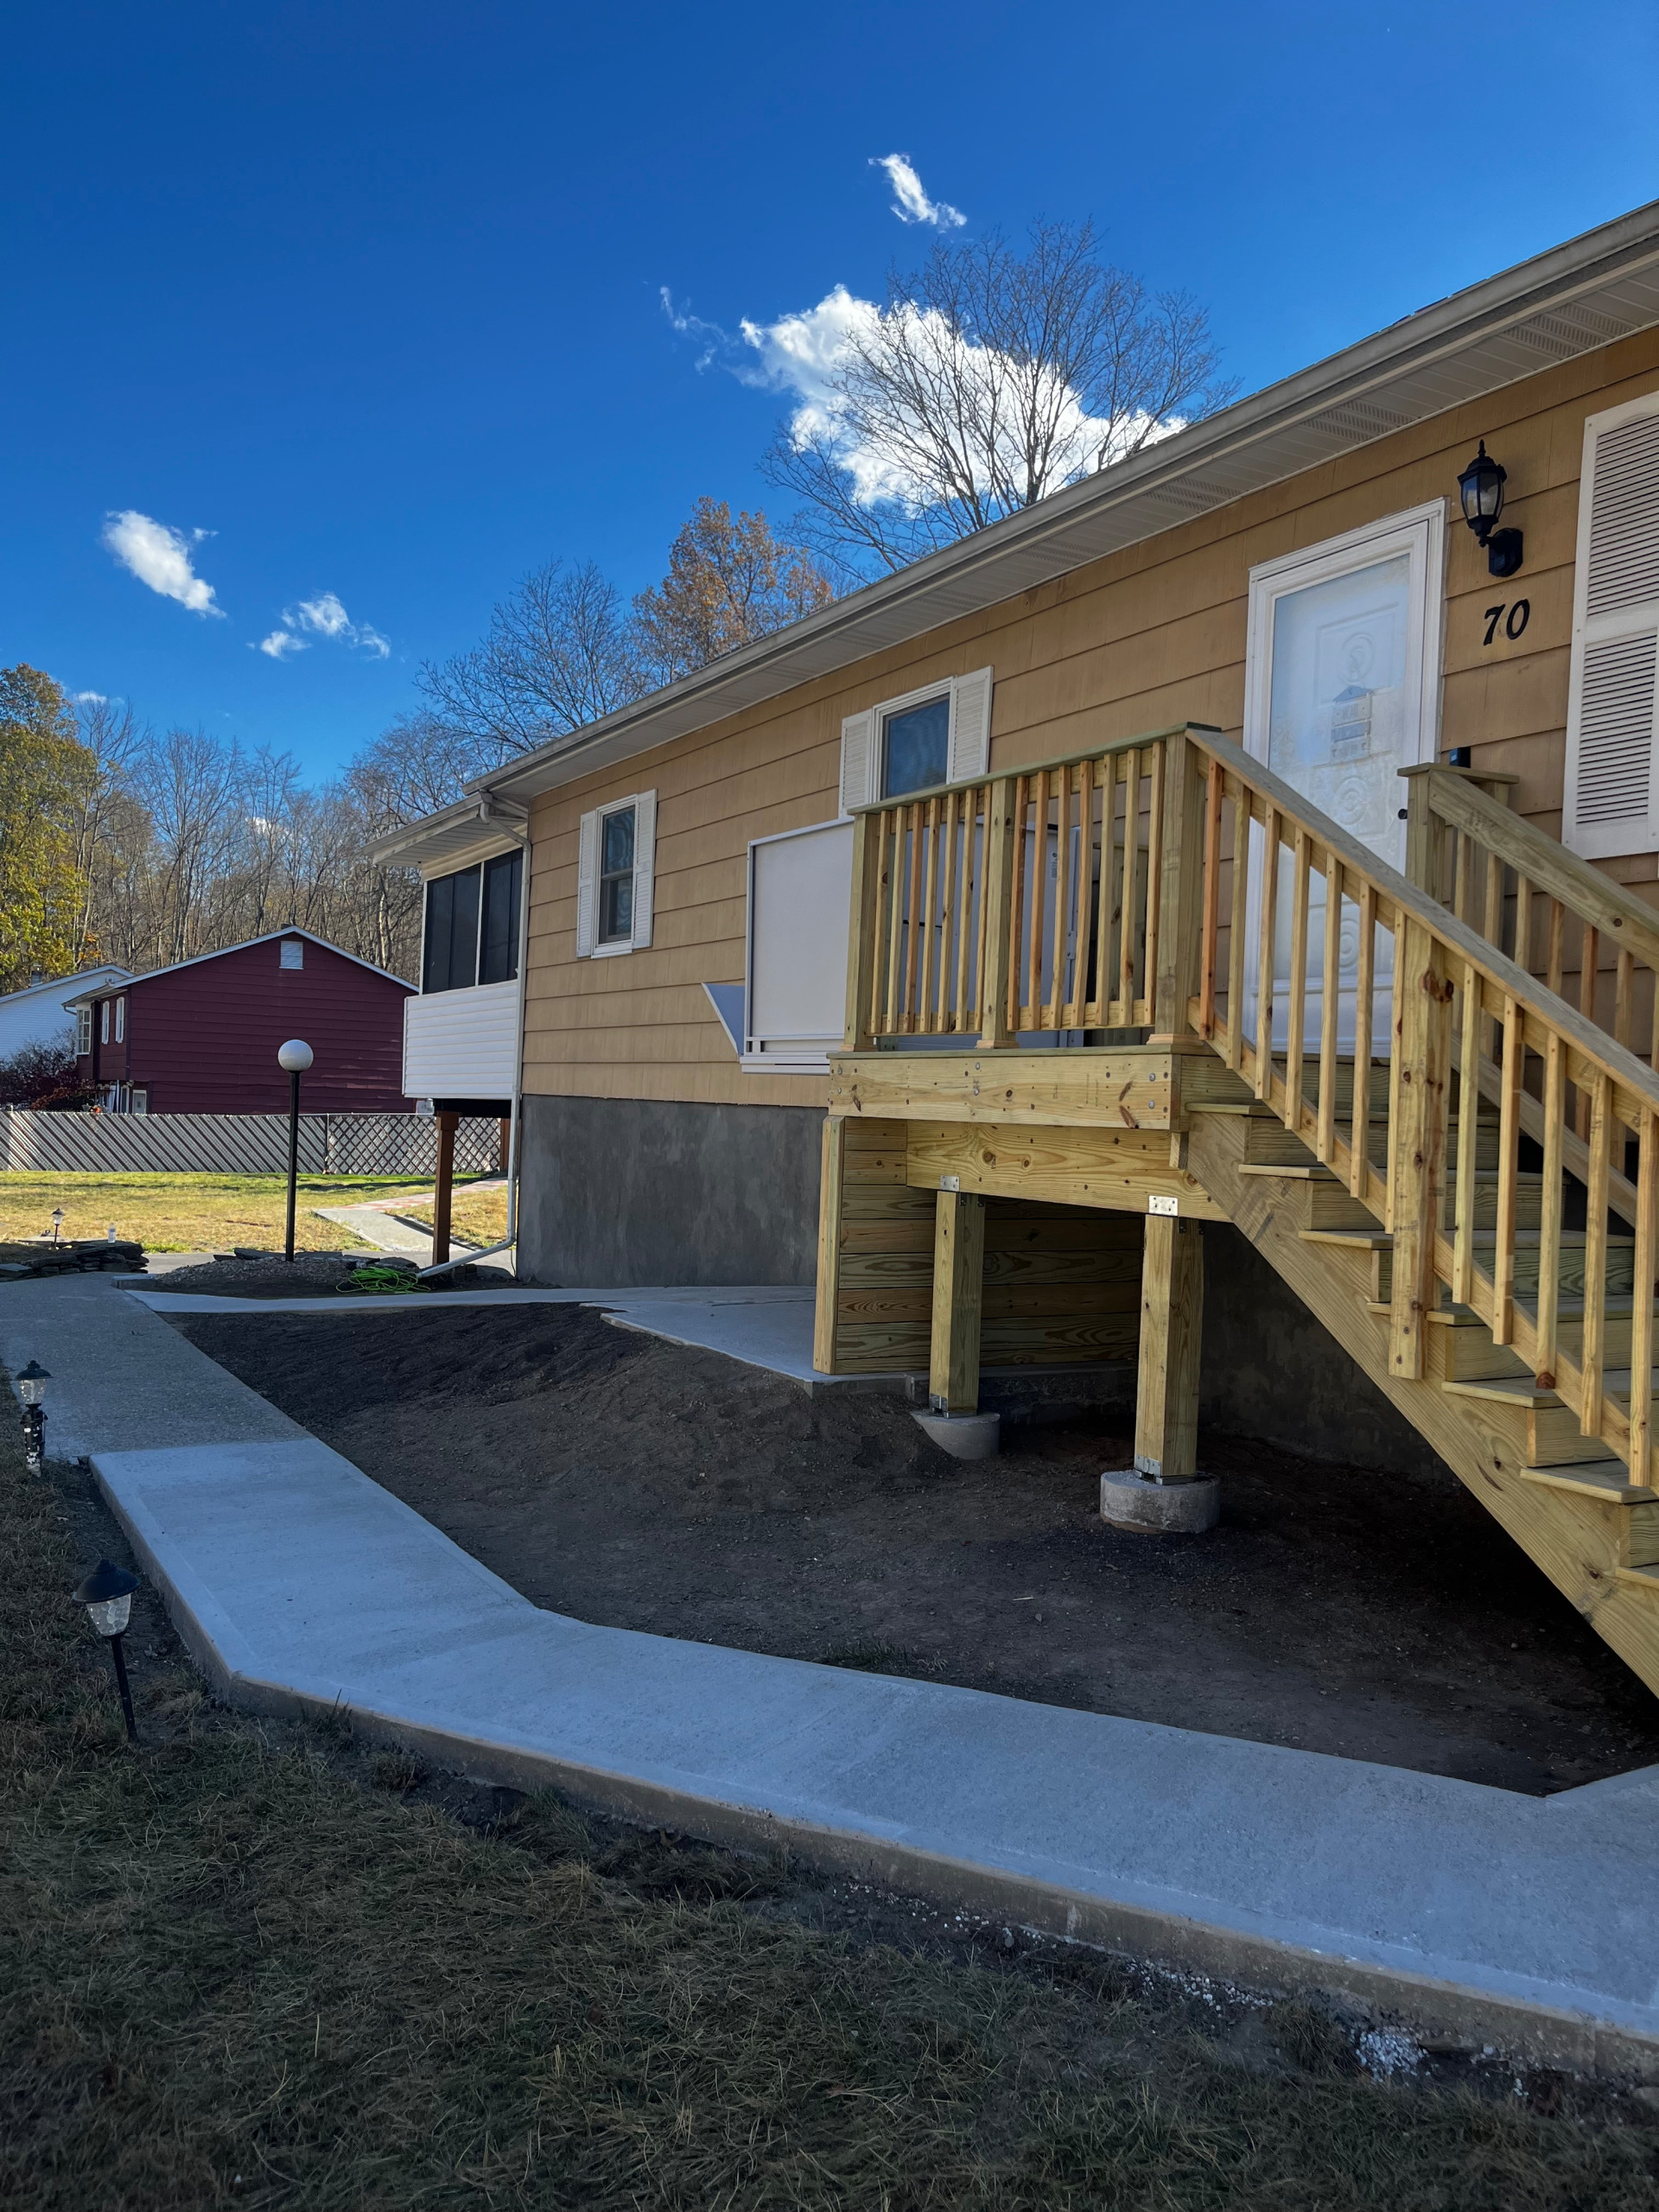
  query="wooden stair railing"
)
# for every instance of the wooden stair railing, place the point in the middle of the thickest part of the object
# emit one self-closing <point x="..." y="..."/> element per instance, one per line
<point x="1452" y="992"/>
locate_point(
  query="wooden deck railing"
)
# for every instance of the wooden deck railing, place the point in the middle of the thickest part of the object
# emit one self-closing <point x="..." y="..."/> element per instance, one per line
<point x="1171" y="883"/>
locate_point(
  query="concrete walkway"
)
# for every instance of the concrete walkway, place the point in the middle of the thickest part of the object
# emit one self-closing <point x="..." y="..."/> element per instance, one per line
<point x="300" y="1583"/>
<point x="387" y="1233"/>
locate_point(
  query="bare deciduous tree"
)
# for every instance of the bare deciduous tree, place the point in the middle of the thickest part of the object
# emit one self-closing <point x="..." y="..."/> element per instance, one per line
<point x="989" y="379"/>
<point x="560" y="654"/>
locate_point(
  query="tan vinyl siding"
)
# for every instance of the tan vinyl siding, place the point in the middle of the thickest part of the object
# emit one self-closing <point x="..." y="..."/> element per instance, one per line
<point x="1151" y="635"/>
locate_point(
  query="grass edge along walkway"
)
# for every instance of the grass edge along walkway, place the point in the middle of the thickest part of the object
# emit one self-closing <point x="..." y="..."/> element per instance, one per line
<point x="247" y="1965"/>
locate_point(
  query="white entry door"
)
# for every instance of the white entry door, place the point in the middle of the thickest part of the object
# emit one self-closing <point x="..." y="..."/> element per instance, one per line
<point x="1343" y="680"/>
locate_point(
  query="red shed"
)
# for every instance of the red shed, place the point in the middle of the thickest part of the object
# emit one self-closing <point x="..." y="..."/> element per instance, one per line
<point x="202" y="1037"/>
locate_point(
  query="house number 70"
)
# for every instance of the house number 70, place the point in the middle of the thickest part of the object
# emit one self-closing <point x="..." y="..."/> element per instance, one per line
<point x="1519" y="614"/>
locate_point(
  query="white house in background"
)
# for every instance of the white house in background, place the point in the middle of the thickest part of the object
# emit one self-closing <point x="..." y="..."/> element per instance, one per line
<point x="462" y="1031"/>
<point x="37" y="1014"/>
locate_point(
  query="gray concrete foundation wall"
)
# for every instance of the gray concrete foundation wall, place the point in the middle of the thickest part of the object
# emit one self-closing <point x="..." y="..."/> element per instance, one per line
<point x="624" y="1191"/>
<point x="618" y="1191"/>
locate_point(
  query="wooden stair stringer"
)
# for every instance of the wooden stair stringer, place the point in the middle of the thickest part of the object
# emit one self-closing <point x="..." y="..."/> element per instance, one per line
<point x="1575" y="1539"/>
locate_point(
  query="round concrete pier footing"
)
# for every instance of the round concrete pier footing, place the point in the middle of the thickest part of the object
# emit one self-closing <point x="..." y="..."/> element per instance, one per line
<point x="964" y="1436"/>
<point x="1133" y="1500"/>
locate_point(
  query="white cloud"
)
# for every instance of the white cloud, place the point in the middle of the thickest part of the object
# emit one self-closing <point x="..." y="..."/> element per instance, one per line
<point x="322" y="617"/>
<point x="910" y="203"/>
<point x="91" y="698"/>
<point x="800" y="354"/>
<point x="161" y="557"/>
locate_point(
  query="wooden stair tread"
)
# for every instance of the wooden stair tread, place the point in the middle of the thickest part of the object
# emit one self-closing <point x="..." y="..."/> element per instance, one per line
<point x="1511" y="1389"/>
<point x="1361" y="1240"/>
<point x="1606" y="1479"/>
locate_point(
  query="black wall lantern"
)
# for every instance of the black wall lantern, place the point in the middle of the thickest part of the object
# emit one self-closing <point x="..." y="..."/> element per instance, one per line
<point x="1481" y="489"/>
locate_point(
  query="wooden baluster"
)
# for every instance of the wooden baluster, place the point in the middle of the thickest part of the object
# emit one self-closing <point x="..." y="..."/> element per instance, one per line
<point x="1523" y="925"/>
<point x="1598" y="1093"/>
<point x="1267" y="954"/>
<point x="1509" y="1139"/>
<point x="1037" y="866"/>
<point x="1557" y="946"/>
<point x="1416" y="1139"/>
<point x="950" y="1001"/>
<point x="999" y="913"/>
<point x="858" y="1033"/>
<point x="1126" y="902"/>
<point x="1624" y="988"/>
<point x="1324" y="1147"/>
<point x="1296" y="1011"/>
<point x="1647" y="1263"/>
<point x="898" y="867"/>
<point x="1236" y="924"/>
<point x="1019" y="920"/>
<point x="930" y="967"/>
<point x="1056" y="1003"/>
<point x="1589" y="961"/>
<point x="1150" y="966"/>
<point x="1492" y="930"/>
<point x="1181" y="895"/>
<point x="913" y="934"/>
<point x="1549" y="1227"/>
<point x="1463" y="1250"/>
<point x="1463" y="850"/>
<point x="1105" y="974"/>
<point x="1210" y="927"/>
<point x="1364" y="992"/>
<point x="988" y="797"/>
<point x="961" y="844"/>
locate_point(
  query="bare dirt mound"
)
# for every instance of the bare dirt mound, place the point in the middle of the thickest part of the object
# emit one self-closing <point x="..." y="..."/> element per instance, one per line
<point x="624" y="1480"/>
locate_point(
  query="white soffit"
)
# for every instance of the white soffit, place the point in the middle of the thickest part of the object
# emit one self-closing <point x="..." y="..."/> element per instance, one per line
<point x="1572" y="300"/>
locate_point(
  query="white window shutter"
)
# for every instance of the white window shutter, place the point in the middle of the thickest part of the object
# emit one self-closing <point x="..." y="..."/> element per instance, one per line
<point x="586" y="883"/>
<point x="970" y="727"/>
<point x="857" y="760"/>
<point x="645" y="861"/>
<point x="1610" y="805"/>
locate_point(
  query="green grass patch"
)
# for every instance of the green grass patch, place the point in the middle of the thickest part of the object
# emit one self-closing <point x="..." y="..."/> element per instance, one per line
<point x="192" y="1213"/>
<point x="252" y="1965"/>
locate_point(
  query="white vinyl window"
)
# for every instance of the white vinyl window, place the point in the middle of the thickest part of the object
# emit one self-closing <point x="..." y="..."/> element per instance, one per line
<point x="939" y="735"/>
<point x="120" y="1019"/>
<point x="83" y="1029"/>
<point x="104" y="1021"/>
<point x="616" y="856"/>
<point x="795" y="994"/>
<point x="293" y="952"/>
<point x="1609" y="805"/>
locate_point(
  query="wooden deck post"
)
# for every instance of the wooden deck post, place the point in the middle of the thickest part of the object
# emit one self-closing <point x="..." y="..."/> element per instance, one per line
<point x="1180" y="888"/>
<point x="959" y="1293"/>
<point x="447" y="1124"/>
<point x="861" y="931"/>
<point x="1171" y="1325"/>
<point x="830" y="1180"/>
<point x="1422" y="1053"/>
<point x="1001" y="922"/>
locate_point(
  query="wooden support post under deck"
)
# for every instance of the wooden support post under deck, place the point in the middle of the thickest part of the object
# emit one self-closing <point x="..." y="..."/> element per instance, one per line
<point x="1172" y="1322"/>
<point x="447" y="1124"/>
<point x="830" y="1183"/>
<point x="958" y="1293"/>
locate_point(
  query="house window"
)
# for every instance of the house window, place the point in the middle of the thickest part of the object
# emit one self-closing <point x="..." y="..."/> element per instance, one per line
<point x="916" y="747"/>
<point x="1611" y="802"/>
<point x="450" y="961"/>
<point x="616" y="877"/>
<point x="939" y="735"/>
<point x="140" y="1102"/>
<point x="83" y="1029"/>
<point x="497" y="957"/>
<point x="120" y="1019"/>
<point x="616" y="851"/>
<point x="293" y="952"/>
<point x="104" y="1021"/>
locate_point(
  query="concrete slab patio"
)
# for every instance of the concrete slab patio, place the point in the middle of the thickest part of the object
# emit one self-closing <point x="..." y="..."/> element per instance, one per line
<point x="301" y="1584"/>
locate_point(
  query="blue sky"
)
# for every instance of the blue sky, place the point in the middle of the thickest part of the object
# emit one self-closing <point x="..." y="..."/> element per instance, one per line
<point x="372" y="293"/>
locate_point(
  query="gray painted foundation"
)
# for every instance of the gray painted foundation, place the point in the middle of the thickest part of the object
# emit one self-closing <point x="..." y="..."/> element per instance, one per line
<point x="627" y="1191"/>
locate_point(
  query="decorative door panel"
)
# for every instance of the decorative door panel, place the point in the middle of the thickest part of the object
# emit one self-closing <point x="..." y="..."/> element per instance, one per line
<point x="1343" y="685"/>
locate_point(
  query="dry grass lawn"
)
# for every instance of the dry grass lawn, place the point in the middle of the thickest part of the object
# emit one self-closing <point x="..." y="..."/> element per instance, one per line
<point x="479" y="1218"/>
<point x="192" y="1213"/>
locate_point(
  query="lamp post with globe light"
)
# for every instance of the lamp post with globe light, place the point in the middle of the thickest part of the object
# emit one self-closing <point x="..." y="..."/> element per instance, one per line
<point x="295" y="1056"/>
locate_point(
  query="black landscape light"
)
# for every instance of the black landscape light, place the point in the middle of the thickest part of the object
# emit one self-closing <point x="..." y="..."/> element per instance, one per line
<point x="57" y="1223"/>
<point x="31" y="1389"/>
<point x="1481" y="489"/>
<point x="107" y="1595"/>
<point x="294" y="1057"/>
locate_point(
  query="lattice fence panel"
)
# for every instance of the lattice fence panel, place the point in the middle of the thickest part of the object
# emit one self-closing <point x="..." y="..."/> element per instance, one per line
<point x="238" y="1144"/>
